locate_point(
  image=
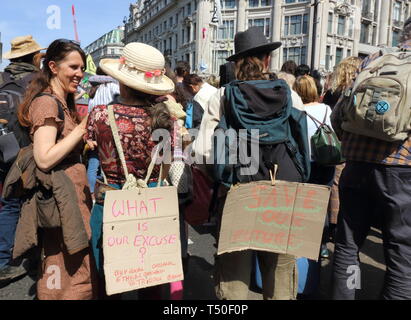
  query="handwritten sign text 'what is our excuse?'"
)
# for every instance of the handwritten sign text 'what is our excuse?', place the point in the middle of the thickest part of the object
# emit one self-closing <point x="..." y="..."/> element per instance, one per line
<point x="285" y="218"/>
<point x="141" y="239"/>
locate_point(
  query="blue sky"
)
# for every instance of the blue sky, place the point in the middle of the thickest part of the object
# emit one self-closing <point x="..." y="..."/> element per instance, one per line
<point x="94" y="18"/>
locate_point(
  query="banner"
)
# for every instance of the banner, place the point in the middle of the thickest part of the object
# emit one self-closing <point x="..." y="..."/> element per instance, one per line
<point x="217" y="17"/>
<point x="91" y="67"/>
<point x="141" y="239"/>
<point x="285" y="218"/>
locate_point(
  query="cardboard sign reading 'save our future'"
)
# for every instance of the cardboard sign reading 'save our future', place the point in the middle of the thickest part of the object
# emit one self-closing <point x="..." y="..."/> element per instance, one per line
<point x="285" y="218"/>
<point x="141" y="239"/>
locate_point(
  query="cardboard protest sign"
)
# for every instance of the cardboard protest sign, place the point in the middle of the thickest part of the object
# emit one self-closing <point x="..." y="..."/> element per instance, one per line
<point x="141" y="239"/>
<point x="285" y="218"/>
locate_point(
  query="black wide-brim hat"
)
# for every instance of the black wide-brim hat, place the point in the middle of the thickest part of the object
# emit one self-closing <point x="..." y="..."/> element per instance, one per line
<point x="252" y="42"/>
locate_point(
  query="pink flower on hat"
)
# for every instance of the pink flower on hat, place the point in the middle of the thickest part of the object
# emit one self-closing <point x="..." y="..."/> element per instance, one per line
<point x="155" y="73"/>
<point x="122" y="60"/>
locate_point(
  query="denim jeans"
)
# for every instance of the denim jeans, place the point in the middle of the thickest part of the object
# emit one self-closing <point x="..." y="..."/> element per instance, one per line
<point x="92" y="169"/>
<point x="9" y="216"/>
<point x="372" y="193"/>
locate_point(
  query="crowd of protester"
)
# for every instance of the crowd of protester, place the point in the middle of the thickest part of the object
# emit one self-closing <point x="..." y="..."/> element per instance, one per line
<point x="82" y="159"/>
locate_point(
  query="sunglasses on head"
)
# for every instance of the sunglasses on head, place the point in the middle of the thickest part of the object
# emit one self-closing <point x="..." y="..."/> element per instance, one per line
<point x="68" y="41"/>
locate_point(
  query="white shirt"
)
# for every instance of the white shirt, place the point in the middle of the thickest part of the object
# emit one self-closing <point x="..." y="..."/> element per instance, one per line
<point x="104" y="95"/>
<point x="204" y="95"/>
<point x="318" y="111"/>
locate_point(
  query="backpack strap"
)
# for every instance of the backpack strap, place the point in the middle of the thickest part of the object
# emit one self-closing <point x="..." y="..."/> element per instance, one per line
<point x="316" y="121"/>
<point x="59" y="106"/>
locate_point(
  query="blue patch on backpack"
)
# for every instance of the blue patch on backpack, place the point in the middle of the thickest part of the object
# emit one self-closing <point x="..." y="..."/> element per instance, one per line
<point x="382" y="107"/>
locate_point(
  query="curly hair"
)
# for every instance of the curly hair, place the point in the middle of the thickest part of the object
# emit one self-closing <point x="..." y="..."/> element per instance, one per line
<point x="251" y="68"/>
<point x="344" y="73"/>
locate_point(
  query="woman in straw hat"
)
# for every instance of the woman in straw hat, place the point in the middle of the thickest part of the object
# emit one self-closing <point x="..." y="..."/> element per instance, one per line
<point x="48" y="110"/>
<point x="140" y="73"/>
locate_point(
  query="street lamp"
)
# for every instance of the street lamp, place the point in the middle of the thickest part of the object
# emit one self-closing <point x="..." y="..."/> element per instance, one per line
<point x="315" y="5"/>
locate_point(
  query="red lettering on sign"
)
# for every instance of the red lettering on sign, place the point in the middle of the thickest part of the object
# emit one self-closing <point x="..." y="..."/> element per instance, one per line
<point x="308" y="199"/>
<point x="298" y="219"/>
<point x="254" y="194"/>
<point x="115" y="241"/>
<point x="155" y="203"/>
<point x="143" y="207"/>
<point x="131" y="207"/>
<point x="117" y="211"/>
<point x="289" y="200"/>
<point x="271" y="200"/>
<point x="278" y="217"/>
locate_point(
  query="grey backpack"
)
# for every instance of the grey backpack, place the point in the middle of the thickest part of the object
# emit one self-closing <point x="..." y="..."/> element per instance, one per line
<point x="379" y="103"/>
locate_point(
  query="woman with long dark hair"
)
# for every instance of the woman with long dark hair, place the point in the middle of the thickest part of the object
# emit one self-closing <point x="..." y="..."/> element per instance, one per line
<point x="57" y="143"/>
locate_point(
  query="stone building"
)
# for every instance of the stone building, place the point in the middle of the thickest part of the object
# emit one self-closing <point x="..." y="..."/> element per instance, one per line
<point x="110" y="45"/>
<point x="319" y="33"/>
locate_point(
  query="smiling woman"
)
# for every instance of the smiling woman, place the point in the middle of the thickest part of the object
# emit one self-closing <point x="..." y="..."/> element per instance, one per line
<point x="48" y="110"/>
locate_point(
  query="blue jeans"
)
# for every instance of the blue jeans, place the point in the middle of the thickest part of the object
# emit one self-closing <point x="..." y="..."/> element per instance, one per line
<point x="9" y="216"/>
<point x="92" y="169"/>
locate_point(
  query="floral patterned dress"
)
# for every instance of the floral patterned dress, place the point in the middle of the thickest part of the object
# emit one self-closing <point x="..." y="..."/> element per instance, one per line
<point x="134" y="126"/>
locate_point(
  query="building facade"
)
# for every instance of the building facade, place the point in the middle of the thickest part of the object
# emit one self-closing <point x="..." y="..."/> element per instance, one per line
<point x="319" y="33"/>
<point x="109" y="45"/>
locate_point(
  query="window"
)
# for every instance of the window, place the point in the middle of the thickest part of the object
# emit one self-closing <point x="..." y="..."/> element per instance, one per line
<point x="297" y="54"/>
<point x="228" y="4"/>
<point x="341" y="25"/>
<point x="293" y="1"/>
<point x="351" y="28"/>
<point x="226" y="31"/>
<point x="330" y="22"/>
<point x="366" y="6"/>
<point x="348" y="52"/>
<point x="305" y="24"/>
<point x="286" y="25"/>
<point x="193" y="60"/>
<point x="253" y="3"/>
<point x="296" y="25"/>
<point x="188" y="34"/>
<point x="396" y="13"/>
<point x="189" y="9"/>
<point x="338" y="55"/>
<point x="328" y="58"/>
<point x="364" y="33"/>
<point x="264" y="24"/>
<point x="376" y="9"/>
<point x="395" y="38"/>
<point x="219" y="57"/>
<point x="374" y="35"/>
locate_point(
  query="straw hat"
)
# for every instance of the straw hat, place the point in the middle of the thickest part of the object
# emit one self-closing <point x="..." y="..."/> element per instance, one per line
<point x="22" y="46"/>
<point x="141" y="67"/>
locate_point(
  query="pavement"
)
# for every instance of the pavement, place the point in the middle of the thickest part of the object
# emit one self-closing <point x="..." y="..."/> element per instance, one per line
<point x="199" y="283"/>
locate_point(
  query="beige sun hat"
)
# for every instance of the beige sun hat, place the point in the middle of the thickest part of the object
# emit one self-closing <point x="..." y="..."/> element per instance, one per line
<point x="22" y="46"/>
<point x="142" y="68"/>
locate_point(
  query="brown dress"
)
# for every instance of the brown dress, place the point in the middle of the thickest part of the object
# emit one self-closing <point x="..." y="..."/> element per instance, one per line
<point x="63" y="276"/>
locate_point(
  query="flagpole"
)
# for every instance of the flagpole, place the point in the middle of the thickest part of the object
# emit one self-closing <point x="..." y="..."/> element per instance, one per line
<point x="75" y="24"/>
